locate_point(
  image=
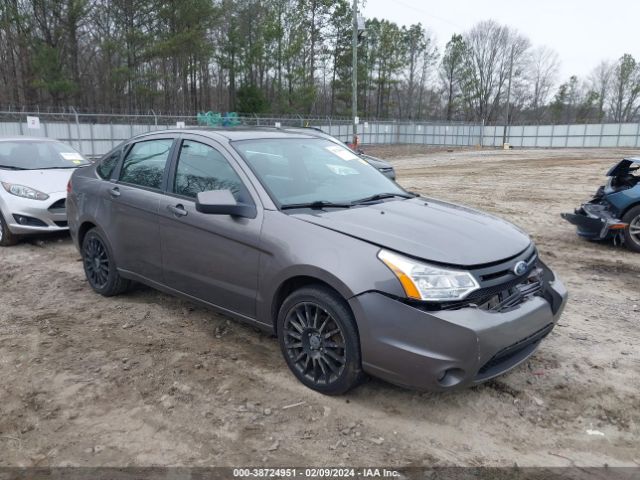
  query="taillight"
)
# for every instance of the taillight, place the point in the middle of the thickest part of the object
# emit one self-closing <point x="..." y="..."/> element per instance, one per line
<point x="69" y="187"/>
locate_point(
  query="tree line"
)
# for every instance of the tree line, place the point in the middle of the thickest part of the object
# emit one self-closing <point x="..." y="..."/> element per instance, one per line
<point x="289" y="57"/>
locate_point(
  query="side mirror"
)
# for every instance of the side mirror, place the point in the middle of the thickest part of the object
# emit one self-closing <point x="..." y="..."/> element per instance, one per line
<point x="222" y="202"/>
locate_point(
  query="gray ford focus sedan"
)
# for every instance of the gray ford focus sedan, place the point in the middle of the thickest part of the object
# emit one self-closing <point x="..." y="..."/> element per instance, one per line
<point x="300" y="236"/>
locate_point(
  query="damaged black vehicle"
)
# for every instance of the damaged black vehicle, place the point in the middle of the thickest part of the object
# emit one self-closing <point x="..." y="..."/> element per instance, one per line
<point x="614" y="211"/>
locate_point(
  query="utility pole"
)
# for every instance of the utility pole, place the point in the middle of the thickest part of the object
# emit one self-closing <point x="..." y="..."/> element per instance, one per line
<point x="506" y="115"/>
<point x="354" y="84"/>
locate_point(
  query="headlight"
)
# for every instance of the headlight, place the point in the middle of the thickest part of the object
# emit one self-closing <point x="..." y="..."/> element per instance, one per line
<point x="25" y="192"/>
<point x="422" y="281"/>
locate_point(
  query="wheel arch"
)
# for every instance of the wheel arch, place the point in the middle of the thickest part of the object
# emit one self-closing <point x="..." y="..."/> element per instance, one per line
<point x="299" y="280"/>
<point x="630" y="206"/>
<point x="83" y="229"/>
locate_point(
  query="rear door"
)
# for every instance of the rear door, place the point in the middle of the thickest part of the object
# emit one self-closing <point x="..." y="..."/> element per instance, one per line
<point x="211" y="257"/>
<point x="135" y="199"/>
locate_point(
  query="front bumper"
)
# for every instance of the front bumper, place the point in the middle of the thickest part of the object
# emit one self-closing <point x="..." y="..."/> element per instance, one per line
<point x="37" y="216"/>
<point x="444" y="349"/>
<point x="595" y="221"/>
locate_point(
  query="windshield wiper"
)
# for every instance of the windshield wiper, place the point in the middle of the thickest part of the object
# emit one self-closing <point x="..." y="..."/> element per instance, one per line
<point x="317" y="205"/>
<point x="381" y="196"/>
<point x="62" y="168"/>
<point x="320" y="204"/>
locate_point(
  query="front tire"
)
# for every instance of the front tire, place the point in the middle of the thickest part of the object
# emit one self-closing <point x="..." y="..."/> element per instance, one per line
<point x="632" y="232"/>
<point x="100" y="267"/>
<point x="319" y="340"/>
<point x="6" y="237"/>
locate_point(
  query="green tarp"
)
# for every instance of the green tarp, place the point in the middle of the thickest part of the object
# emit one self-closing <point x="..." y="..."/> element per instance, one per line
<point x="215" y="119"/>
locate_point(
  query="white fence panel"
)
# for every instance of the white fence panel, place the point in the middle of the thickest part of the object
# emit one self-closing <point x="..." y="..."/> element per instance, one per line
<point x="97" y="134"/>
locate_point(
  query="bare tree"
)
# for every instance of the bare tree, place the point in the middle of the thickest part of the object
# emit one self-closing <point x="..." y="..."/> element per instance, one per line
<point x="599" y="84"/>
<point x="491" y="50"/>
<point x="542" y="72"/>
<point x="625" y="89"/>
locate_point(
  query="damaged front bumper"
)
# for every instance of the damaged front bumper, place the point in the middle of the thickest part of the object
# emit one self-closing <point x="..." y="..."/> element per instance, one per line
<point x="595" y="221"/>
<point x="445" y="349"/>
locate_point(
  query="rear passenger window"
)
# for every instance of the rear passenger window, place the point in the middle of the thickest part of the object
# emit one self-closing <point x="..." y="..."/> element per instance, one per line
<point x="108" y="164"/>
<point x="145" y="162"/>
<point x="202" y="168"/>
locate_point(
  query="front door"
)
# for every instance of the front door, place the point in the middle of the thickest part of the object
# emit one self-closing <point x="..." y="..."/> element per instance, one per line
<point x="211" y="257"/>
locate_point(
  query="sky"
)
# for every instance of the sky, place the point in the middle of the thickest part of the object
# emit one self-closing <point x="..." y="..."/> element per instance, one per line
<point x="583" y="32"/>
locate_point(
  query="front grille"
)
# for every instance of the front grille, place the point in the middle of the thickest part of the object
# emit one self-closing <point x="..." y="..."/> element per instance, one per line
<point x="488" y="292"/>
<point x="513" y="296"/>
<point x="506" y="354"/>
<point x="530" y="261"/>
<point x="62" y="224"/>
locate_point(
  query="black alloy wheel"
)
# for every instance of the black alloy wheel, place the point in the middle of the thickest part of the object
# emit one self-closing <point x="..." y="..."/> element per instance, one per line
<point x="314" y="343"/>
<point x="319" y="340"/>
<point x="99" y="266"/>
<point x="96" y="262"/>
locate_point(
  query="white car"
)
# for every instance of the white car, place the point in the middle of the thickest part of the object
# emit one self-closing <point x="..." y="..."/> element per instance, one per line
<point x="34" y="173"/>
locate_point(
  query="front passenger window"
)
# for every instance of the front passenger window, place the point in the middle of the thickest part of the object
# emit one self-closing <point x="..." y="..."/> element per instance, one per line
<point x="202" y="168"/>
<point x="145" y="163"/>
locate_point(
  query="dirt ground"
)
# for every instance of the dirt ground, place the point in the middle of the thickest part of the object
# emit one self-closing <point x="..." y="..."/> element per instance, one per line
<point x="147" y="379"/>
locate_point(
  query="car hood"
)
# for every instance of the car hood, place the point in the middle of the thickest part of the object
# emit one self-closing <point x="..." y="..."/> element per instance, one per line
<point x="45" y="181"/>
<point x="622" y="167"/>
<point x="427" y="229"/>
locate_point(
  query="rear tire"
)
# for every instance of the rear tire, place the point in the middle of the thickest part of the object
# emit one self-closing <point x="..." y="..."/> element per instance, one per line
<point x="6" y="237"/>
<point x="319" y="340"/>
<point x="632" y="232"/>
<point x="100" y="267"/>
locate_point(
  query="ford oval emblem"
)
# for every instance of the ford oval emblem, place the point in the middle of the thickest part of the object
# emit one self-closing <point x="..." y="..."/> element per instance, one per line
<point x="520" y="268"/>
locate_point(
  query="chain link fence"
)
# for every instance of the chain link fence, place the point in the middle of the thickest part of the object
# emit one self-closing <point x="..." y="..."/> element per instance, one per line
<point x="96" y="133"/>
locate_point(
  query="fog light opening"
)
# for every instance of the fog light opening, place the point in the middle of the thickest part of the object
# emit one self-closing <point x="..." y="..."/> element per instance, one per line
<point x="28" y="221"/>
<point x="450" y="377"/>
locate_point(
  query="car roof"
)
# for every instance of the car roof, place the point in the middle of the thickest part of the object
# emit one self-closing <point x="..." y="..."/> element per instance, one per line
<point x="236" y="133"/>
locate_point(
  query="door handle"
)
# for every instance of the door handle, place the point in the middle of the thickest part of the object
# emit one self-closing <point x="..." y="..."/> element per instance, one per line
<point x="114" y="192"/>
<point x="177" y="210"/>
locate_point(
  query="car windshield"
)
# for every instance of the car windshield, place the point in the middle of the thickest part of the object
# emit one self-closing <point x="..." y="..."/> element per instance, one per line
<point x="304" y="171"/>
<point x="38" y="155"/>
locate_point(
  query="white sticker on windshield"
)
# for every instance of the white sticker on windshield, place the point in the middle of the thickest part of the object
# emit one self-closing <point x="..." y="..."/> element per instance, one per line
<point x="71" y="156"/>
<point x="342" y="170"/>
<point x="343" y="153"/>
